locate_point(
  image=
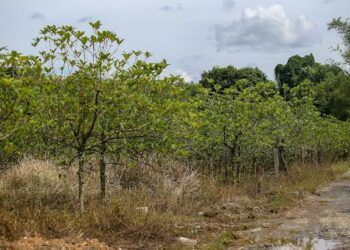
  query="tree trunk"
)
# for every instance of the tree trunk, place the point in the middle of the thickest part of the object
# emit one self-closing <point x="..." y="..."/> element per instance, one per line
<point x="203" y="165"/>
<point x="319" y="157"/>
<point x="81" y="178"/>
<point x="314" y="157"/>
<point x="276" y="161"/>
<point x="233" y="163"/>
<point x="254" y="166"/>
<point x="233" y="172"/>
<point x="259" y="181"/>
<point x="219" y="169"/>
<point x="226" y="171"/>
<point x="102" y="163"/>
<point x="302" y="156"/>
<point x="238" y="173"/>
<point x="283" y="165"/>
<point x="238" y="165"/>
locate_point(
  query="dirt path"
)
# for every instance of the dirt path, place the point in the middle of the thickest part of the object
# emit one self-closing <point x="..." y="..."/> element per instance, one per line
<point x="322" y="222"/>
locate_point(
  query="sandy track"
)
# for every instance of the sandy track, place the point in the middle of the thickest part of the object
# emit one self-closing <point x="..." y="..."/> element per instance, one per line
<point x="321" y="222"/>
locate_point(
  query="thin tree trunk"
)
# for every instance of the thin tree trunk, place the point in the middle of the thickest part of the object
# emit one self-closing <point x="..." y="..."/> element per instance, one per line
<point x="238" y="173"/>
<point x="276" y="161"/>
<point x="219" y="169"/>
<point x="254" y="166"/>
<point x="319" y="157"/>
<point x="259" y="182"/>
<point x="226" y="171"/>
<point x="233" y="171"/>
<point x="283" y="165"/>
<point x="203" y="169"/>
<point x="81" y="178"/>
<point x="302" y="156"/>
<point x="314" y="157"/>
<point x="233" y="164"/>
<point x="102" y="170"/>
<point x="238" y="165"/>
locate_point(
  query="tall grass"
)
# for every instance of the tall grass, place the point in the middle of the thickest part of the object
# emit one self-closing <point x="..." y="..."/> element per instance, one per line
<point x="38" y="198"/>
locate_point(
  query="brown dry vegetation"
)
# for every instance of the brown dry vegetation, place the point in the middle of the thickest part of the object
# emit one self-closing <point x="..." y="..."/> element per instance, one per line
<point x="147" y="207"/>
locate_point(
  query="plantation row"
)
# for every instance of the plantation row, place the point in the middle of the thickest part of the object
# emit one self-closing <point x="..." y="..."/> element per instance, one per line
<point x="82" y="100"/>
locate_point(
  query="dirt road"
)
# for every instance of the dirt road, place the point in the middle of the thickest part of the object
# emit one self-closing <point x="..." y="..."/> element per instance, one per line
<point x="322" y="222"/>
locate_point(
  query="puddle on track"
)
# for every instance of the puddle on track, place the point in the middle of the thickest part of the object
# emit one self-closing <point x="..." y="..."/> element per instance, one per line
<point x="312" y="244"/>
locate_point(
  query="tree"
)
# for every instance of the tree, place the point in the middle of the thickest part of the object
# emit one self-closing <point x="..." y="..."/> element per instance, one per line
<point x="18" y="73"/>
<point x="230" y="76"/>
<point x="241" y="131"/>
<point x="333" y="92"/>
<point x="101" y="102"/>
<point x="296" y="70"/>
<point x="333" y="96"/>
<point x="343" y="29"/>
<point x="329" y="81"/>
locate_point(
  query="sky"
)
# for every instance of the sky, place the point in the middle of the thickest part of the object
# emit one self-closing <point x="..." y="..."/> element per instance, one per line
<point x="192" y="35"/>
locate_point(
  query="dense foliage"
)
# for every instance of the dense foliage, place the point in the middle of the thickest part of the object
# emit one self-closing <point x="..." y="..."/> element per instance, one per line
<point x="229" y="76"/>
<point x="329" y="80"/>
<point x="82" y="99"/>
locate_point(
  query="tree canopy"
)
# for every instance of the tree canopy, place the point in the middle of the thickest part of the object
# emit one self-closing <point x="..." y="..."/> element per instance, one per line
<point x="226" y="77"/>
<point x="343" y="28"/>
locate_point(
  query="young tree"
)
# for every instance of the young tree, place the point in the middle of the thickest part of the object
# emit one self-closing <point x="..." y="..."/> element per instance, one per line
<point x="18" y="74"/>
<point x="99" y="100"/>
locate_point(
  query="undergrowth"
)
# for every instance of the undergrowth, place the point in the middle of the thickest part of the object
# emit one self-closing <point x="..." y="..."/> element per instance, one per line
<point x="37" y="198"/>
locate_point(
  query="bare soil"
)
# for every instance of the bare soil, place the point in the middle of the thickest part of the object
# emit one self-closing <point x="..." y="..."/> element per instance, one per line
<point x="321" y="221"/>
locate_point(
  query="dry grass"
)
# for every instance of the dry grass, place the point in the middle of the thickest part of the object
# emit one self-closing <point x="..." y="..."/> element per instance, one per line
<point x="167" y="186"/>
<point x="37" y="182"/>
<point x="38" y="198"/>
<point x="281" y="193"/>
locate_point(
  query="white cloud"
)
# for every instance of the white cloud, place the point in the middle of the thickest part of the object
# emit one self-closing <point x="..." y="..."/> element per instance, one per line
<point x="186" y="76"/>
<point x="266" y="28"/>
<point x="177" y="71"/>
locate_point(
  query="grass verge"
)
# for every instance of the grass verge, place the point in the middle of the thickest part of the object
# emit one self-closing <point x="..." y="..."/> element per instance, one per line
<point x="38" y="200"/>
